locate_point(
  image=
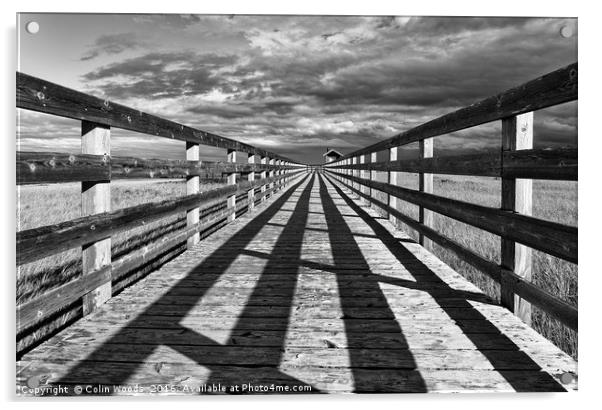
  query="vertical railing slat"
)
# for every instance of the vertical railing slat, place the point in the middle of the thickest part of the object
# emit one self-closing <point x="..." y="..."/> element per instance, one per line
<point x="251" y="178"/>
<point x="425" y="185"/>
<point x="517" y="134"/>
<point x="264" y="161"/>
<point x="192" y="187"/>
<point x="231" y="158"/>
<point x="96" y="198"/>
<point x="392" y="180"/>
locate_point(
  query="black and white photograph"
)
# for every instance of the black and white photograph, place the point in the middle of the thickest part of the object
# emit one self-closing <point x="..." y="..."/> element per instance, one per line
<point x="290" y="204"/>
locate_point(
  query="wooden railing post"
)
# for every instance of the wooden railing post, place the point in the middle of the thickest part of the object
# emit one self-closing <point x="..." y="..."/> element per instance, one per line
<point x="517" y="134"/>
<point x="392" y="180"/>
<point x="232" y="181"/>
<point x="363" y="175"/>
<point x="96" y="198"/>
<point x="425" y="185"/>
<point x="251" y="178"/>
<point x="372" y="177"/>
<point x="264" y="161"/>
<point x="192" y="187"/>
<point x="272" y="185"/>
<point x="279" y="172"/>
<point x="354" y="172"/>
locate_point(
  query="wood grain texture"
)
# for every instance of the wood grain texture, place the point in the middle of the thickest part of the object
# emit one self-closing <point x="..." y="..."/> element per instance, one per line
<point x="51" y="167"/>
<point x="95" y="199"/>
<point x="310" y="291"/>
<point x="425" y="184"/>
<point x="517" y="196"/>
<point x="193" y="184"/>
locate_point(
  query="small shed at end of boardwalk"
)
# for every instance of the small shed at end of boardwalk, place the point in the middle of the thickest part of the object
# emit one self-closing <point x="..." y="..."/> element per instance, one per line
<point x="331" y="155"/>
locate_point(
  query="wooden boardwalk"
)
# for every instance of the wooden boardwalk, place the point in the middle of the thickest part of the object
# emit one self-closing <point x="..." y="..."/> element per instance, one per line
<point x="313" y="292"/>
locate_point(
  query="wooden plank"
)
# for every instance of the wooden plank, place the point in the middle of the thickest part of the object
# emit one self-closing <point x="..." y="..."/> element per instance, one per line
<point x="372" y="175"/>
<point x="43" y="96"/>
<point x="392" y="179"/>
<point x="425" y="184"/>
<point x="264" y="175"/>
<point x="549" y="163"/>
<point x="192" y="187"/>
<point x="48" y="167"/>
<point x="52" y="167"/>
<point x="251" y="178"/>
<point x="43" y="306"/>
<point x="231" y="157"/>
<point x="486" y="164"/>
<point x="551" y="89"/>
<point x="37" y="243"/>
<point x="553" y="238"/>
<point x="96" y="199"/>
<point x="517" y="196"/>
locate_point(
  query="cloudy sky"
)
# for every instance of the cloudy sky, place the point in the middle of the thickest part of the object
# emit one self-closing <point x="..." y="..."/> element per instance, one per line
<point x="292" y="84"/>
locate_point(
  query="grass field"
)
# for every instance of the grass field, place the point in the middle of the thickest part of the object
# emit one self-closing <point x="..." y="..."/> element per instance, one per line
<point x="552" y="200"/>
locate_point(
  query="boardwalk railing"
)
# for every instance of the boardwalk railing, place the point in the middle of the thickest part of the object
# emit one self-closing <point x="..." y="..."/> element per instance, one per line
<point x="517" y="164"/>
<point x="95" y="168"/>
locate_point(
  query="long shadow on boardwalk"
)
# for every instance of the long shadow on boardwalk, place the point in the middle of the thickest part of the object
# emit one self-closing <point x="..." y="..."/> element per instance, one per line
<point x="228" y="363"/>
<point x="362" y="330"/>
<point x="510" y="363"/>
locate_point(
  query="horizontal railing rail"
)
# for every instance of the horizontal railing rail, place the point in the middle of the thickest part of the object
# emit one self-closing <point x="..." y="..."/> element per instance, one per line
<point x="516" y="164"/>
<point x="51" y="167"/>
<point x="547" y="163"/>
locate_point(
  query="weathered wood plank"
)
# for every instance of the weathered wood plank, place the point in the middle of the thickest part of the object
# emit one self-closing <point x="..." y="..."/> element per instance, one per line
<point x="38" y="309"/>
<point x="51" y="167"/>
<point x="193" y="184"/>
<point x="95" y="199"/>
<point x="43" y="167"/>
<point x="543" y="163"/>
<point x="517" y="196"/>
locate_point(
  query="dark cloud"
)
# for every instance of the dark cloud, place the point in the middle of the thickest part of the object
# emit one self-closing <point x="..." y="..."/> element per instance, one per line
<point x="300" y="83"/>
<point x="112" y="44"/>
<point x="160" y="75"/>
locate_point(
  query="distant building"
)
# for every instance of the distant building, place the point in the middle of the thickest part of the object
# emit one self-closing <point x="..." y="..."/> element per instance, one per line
<point x="332" y="155"/>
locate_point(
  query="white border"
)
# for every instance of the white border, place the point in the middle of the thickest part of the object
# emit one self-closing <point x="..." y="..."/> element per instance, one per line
<point x="589" y="186"/>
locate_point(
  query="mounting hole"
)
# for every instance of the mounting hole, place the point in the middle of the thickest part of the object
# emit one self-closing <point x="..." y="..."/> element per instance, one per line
<point x="566" y="378"/>
<point x="566" y="31"/>
<point x="32" y="27"/>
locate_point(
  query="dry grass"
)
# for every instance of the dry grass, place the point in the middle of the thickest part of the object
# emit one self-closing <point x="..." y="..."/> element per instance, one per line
<point x="552" y="200"/>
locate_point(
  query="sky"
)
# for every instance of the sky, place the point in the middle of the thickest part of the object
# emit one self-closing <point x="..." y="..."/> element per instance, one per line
<point x="294" y="85"/>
